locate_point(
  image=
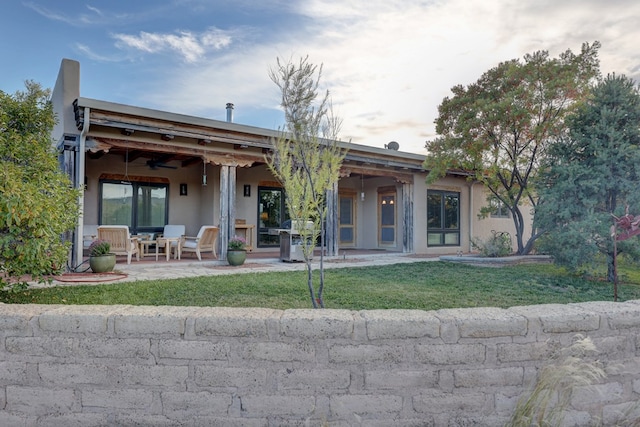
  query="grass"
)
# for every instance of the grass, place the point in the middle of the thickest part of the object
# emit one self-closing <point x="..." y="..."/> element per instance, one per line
<point x="550" y="398"/>
<point x="420" y="285"/>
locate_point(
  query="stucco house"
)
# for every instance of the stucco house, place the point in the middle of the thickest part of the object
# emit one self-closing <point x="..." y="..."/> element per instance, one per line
<point x="146" y="168"/>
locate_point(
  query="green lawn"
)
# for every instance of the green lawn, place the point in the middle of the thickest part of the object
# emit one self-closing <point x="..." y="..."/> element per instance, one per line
<point x="420" y="285"/>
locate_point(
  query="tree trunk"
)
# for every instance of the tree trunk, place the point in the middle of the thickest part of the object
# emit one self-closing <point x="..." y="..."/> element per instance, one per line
<point x="611" y="276"/>
<point x="519" y="226"/>
<point x="310" y="284"/>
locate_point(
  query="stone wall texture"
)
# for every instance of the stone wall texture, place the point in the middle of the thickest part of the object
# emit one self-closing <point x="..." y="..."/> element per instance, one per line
<point x="192" y="366"/>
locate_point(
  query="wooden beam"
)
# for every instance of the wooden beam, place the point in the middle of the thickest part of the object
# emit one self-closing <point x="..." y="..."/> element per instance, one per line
<point x="404" y="178"/>
<point x="199" y="133"/>
<point x="210" y="155"/>
<point x="191" y="161"/>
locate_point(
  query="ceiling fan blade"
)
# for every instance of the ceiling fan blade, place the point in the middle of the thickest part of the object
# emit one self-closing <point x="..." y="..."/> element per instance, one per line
<point x="162" y="165"/>
<point x="153" y="164"/>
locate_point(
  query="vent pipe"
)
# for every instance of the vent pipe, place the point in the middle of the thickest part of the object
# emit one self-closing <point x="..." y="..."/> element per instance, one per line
<point x="229" y="112"/>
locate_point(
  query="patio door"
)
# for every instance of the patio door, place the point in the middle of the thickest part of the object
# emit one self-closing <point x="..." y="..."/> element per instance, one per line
<point x="387" y="218"/>
<point x="347" y="220"/>
<point x="272" y="213"/>
<point x="141" y="206"/>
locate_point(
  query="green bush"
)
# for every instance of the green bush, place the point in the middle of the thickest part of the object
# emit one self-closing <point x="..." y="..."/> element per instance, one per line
<point x="99" y="248"/>
<point x="498" y="245"/>
<point x="38" y="205"/>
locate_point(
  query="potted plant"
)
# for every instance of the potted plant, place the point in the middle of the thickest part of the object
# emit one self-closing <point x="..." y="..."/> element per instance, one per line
<point x="236" y="252"/>
<point x="101" y="260"/>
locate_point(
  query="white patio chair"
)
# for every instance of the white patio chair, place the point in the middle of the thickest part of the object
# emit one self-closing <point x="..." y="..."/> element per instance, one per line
<point x="205" y="241"/>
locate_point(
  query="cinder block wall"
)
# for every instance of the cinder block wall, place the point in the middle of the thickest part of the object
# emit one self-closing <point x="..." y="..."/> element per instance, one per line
<point x="189" y="366"/>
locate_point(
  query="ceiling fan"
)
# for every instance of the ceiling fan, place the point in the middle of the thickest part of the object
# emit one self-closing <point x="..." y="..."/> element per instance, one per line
<point x="154" y="164"/>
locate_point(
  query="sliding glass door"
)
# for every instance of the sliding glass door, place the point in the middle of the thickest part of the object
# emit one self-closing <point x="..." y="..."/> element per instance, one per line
<point x="141" y="206"/>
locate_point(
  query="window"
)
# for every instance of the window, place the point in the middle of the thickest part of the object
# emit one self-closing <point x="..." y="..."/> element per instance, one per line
<point x="141" y="206"/>
<point x="443" y="218"/>
<point x="498" y="208"/>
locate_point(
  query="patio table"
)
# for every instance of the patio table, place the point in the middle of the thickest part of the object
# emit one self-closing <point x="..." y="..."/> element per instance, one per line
<point x="144" y="244"/>
<point x="167" y="244"/>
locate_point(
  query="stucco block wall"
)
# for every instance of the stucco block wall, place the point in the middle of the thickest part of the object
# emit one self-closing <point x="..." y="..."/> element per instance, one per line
<point x="190" y="366"/>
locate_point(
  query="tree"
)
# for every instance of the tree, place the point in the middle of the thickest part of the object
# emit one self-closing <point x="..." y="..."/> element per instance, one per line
<point x="306" y="157"/>
<point x="37" y="202"/>
<point x="498" y="128"/>
<point x="592" y="175"/>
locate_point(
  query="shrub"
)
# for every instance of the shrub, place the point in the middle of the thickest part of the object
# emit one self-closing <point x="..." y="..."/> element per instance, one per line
<point x="99" y="247"/>
<point x="38" y="203"/>
<point x="550" y="399"/>
<point x="498" y="245"/>
<point x="237" y="243"/>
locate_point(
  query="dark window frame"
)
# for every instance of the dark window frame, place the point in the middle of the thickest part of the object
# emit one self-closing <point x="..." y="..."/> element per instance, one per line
<point x="284" y="215"/>
<point x="443" y="229"/>
<point x="134" y="228"/>
<point x="498" y="208"/>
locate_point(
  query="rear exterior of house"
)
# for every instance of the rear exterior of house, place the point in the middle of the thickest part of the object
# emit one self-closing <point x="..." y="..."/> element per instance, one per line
<point x="146" y="168"/>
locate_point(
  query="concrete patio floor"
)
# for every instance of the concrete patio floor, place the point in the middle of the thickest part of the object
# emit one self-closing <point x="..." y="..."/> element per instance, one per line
<point x="257" y="262"/>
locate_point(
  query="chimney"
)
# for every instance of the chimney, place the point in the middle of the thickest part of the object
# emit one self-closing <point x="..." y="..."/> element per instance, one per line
<point x="229" y="112"/>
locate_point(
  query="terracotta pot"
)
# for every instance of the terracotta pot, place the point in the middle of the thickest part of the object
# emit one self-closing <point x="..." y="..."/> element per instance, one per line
<point x="102" y="263"/>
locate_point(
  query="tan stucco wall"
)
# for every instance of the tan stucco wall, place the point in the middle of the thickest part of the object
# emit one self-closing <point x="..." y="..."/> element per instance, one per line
<point x="193" y="210"/>
<point x="472" y="198"/>
<point x="481" y="228"/>
<point x="201" y="204"/>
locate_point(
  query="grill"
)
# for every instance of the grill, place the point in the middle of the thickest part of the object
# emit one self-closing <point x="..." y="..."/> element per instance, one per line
<point x="291" y="243"/>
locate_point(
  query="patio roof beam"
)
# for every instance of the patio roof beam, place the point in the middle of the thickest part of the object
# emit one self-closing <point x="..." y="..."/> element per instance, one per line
<point x="197" y="133"/>
<point x="244" y="160"/>
<point x="405" y="178"/>
<point x="384" y="162"/>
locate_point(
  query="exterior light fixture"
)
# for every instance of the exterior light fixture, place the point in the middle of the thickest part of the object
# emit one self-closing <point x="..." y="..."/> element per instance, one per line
<point x="204" y="174"/>
<point x="167" y="137"/>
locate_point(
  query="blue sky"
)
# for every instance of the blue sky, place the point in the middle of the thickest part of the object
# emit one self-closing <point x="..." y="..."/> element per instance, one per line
<point x="388" y="64"/>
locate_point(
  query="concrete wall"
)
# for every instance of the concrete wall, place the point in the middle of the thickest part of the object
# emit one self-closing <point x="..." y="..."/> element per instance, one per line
<point x="166" y="366"/>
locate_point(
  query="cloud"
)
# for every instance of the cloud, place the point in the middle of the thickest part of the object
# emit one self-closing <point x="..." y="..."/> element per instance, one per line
<point x="95" y="17"/>
<point x="192" y="47"/>
<point x="388" y="64"/>
<point x="89" y="53"/>
<point x="95" y="10"/>
<point x="49" y="14"/>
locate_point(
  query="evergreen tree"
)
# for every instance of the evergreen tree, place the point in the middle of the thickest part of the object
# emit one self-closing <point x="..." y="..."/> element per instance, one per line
<point x="592" y="175"/>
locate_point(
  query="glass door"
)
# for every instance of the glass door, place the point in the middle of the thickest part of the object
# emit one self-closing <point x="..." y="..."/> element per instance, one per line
<point x="271" y="214"/>
<point x="387" y="219"/>
<point x="346" y="220"/>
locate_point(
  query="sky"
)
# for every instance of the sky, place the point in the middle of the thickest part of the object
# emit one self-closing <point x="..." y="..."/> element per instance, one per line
<point x="386" y="64"/>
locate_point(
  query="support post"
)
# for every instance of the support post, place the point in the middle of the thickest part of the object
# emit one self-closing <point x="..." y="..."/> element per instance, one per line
<point x="223" y="234"/>
<point x="227" y="207"/>
<point x="331" y="228"/>
<point x="407" y="218"/>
